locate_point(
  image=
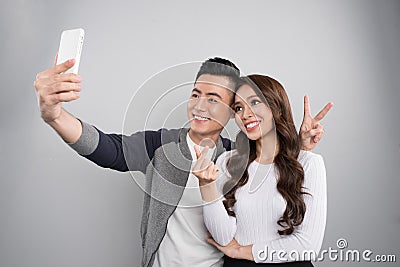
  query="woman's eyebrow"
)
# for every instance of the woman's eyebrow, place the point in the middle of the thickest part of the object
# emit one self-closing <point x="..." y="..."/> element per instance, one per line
<point x="237" y="102"/>
<point x="252" y="96"/>
<point x="248" y="98"/>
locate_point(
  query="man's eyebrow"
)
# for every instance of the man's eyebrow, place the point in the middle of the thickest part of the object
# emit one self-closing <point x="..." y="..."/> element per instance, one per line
<point x="207" y="94"/>
<point x="196" y="90"/>
<point x="214" y="94"/>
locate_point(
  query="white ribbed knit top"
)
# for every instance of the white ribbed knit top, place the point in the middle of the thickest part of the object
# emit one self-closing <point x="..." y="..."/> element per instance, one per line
<point x="259" y="206"/>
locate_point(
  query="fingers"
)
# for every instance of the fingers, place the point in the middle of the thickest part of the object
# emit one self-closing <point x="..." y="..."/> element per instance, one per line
<point x="212" y="172"/>
<point x="316" y="133"/>
<point x="63" y="97"/>
<point x="306" y="106"/>
<point x="306" y="134"/>
<point x="57" y="69"/>
<point x="323" y="112"/>
<point x="205" y="162"/>
<point x="55" y="59"/>
<point x="212" y="242"/>
<point x="198" y="152"/>
<point x="202" y="162"/>
<point x="57" y="83"/>
<point x="204" y="169"/>
<point x="47" y="86"/>
<point x="64" y="87"/>
<point x="318" y="129"/>
<point x="64" y="66"/>
<point x="67" y="77"/>
<point x="319" y="135"/>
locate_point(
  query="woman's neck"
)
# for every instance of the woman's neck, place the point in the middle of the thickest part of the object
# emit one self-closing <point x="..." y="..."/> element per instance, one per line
<point x="267" y="148"/>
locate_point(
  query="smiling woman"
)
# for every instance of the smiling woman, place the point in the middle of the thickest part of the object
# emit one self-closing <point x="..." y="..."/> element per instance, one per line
<point x="274" y="194"/>
<point x="253" y="116"/>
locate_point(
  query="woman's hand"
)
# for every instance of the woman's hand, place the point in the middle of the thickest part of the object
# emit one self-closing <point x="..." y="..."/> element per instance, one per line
<point x="234" y="250"/>
<point x="204" y="169"/>
<point x="311" y="131"/>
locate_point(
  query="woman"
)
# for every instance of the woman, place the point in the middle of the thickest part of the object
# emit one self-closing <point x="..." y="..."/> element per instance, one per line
<point x="273" y="208"/>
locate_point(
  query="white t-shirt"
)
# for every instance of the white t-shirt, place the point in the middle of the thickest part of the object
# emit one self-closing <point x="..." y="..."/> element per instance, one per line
<point x="184" y="243"/>
<point x="259" y="205"/>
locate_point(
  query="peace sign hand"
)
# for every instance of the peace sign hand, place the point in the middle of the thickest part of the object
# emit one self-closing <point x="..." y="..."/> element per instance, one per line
<point x="311" y="131"/>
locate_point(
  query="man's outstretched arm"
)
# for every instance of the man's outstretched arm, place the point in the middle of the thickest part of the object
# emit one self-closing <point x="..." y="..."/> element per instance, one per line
<point x="106" y="150"/>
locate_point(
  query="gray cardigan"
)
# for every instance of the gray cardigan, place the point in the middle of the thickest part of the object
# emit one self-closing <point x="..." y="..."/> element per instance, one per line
<point x="163" y="156"/>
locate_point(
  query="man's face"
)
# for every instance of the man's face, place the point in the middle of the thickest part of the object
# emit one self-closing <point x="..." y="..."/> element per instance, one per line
<point x="209" y="105"/>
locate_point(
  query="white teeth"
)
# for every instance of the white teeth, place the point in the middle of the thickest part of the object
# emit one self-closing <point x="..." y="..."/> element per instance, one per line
<point x="200" y="118"/>
<point x="251" y="125"/>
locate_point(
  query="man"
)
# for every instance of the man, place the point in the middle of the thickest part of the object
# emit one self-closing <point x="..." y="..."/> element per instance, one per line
<point x="172" y="230"/>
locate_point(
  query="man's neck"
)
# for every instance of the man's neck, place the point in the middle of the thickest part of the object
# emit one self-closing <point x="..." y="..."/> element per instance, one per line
<point x="209" y="140"/>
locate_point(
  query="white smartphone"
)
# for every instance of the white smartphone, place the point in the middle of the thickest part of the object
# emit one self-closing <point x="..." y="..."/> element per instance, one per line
<point x="71" y="48"/>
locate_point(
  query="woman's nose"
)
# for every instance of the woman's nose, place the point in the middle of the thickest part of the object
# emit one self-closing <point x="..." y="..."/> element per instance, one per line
<point x="247" y="113"/>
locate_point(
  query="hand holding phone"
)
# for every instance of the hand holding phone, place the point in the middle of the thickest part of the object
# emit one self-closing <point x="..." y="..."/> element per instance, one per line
<point x="71" y="48"/>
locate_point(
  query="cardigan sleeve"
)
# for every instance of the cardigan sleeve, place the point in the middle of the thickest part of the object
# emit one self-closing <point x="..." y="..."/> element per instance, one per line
<point x="116" y="151"/>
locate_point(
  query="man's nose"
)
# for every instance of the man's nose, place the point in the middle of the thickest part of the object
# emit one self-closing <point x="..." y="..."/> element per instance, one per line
<point x="201" y="104"/>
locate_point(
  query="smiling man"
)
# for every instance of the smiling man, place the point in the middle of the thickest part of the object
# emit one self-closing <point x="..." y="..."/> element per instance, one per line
<point x="173" y="232"/>
<point x="209" y="106"/>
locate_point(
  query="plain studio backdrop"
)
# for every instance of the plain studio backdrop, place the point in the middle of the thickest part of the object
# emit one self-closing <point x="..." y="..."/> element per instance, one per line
<point x="59" y="209"/>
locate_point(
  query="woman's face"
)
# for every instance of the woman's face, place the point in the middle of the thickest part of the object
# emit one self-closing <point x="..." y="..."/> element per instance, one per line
<point x="253" y="116"/>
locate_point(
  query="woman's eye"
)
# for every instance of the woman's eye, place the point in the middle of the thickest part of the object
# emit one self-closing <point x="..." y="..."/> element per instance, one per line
<point x="238" y="108"/>
<point x="255" y="102"/>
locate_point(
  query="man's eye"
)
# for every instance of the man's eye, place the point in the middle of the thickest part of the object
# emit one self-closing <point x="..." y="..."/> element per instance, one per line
<point x="195" y="96"/>
<point x="212" y="100"/>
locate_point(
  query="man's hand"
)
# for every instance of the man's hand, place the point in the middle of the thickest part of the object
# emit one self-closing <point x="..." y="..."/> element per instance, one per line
<point x="311" y="131"/>
<point x="54" y="87"/>
<point x="234" y="250"/>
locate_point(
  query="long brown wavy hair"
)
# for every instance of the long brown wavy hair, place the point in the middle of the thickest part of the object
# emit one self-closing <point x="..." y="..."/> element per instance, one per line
<point x="291" y="174"/>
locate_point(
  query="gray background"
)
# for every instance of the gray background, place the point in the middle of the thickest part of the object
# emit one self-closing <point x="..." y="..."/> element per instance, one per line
<point x="58" y="209"/>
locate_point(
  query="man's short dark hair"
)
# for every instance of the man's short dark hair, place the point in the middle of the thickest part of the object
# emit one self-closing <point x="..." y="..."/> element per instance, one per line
<point x="220" y="67"/>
